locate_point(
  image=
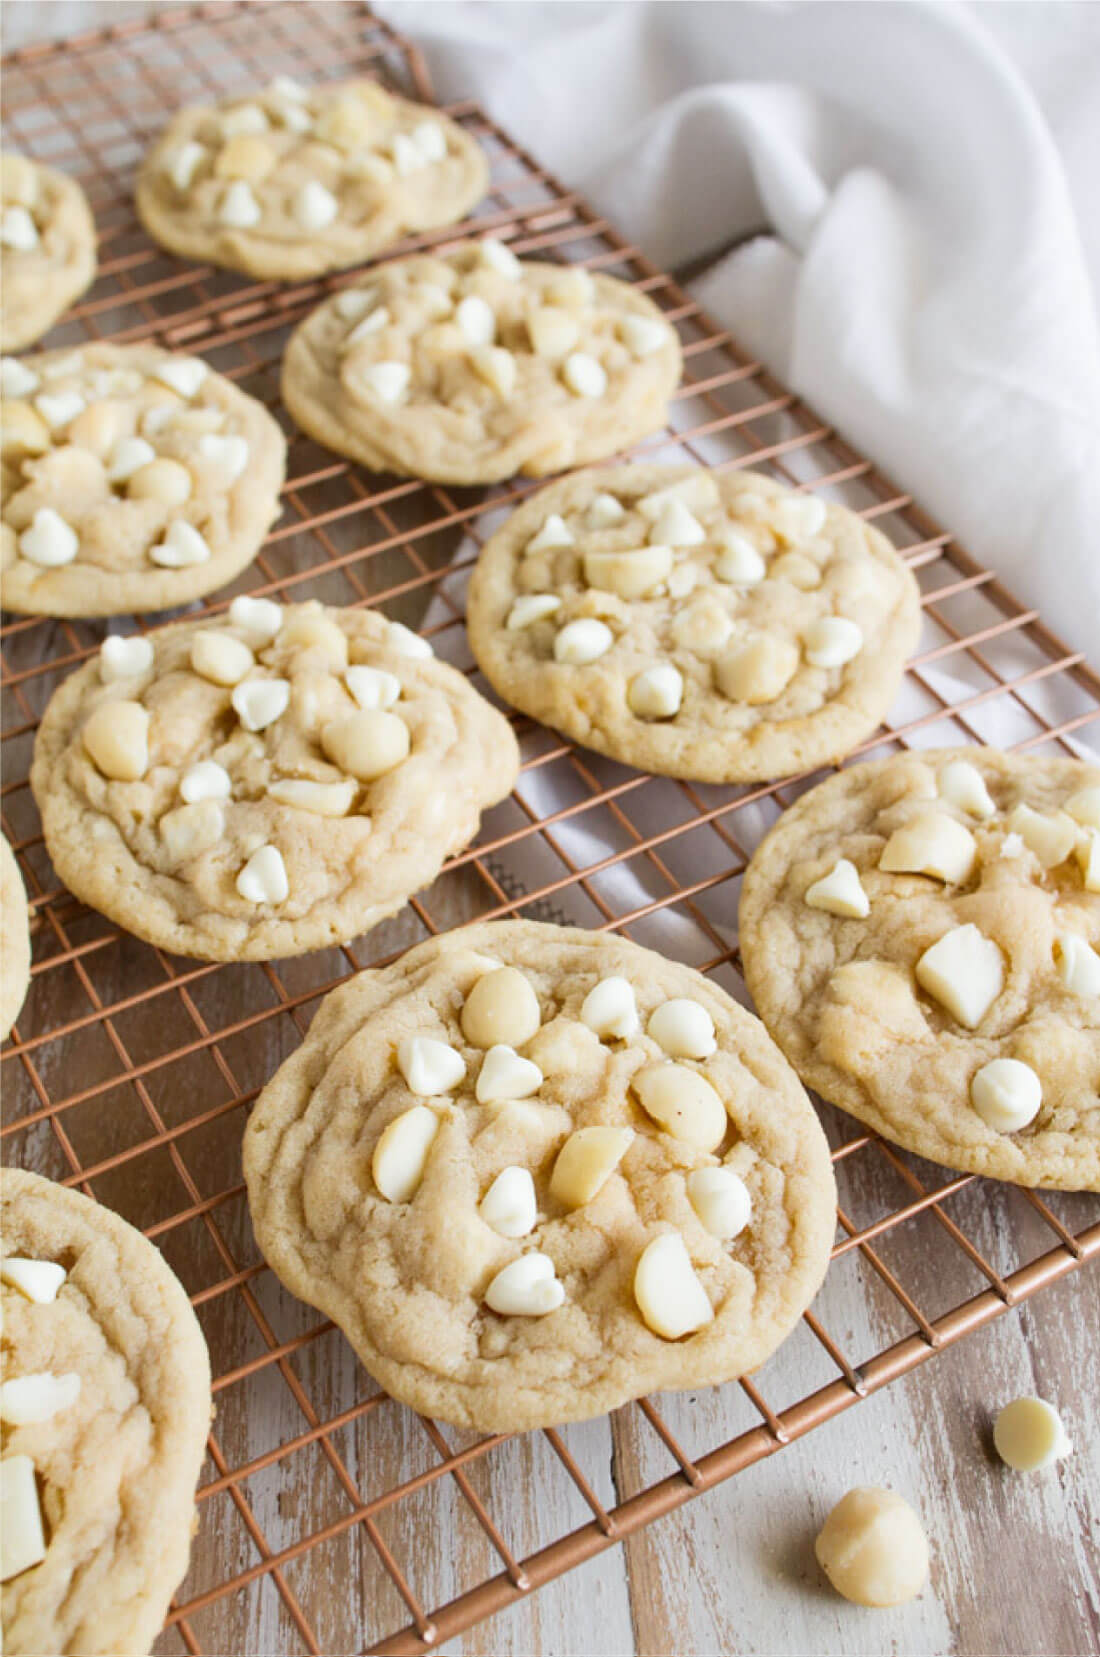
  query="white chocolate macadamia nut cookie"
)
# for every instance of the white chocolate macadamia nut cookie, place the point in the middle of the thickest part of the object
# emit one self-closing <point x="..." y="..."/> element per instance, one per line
<point x="472" y="366"/>
<point x="47" y="248"/>
<point x="956" y="1010"/>
<point x="714" y="627"/>
<point x="295" y="180"/>
<point x="15" y="944"/>
<point x="133" y="479"/>
<point x="494" y="1166"/>
<point x="104" y="1411"/>
<point x="233" y="789"/>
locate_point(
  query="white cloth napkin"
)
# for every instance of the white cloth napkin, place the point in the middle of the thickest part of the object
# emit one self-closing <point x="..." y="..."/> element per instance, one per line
<point x="915" y="268"/>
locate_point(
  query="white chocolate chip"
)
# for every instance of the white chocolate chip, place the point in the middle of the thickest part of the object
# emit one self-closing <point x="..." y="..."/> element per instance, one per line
<point x="405" y="642"/>
<point x="873" y="1549"/>
<point x="192" y="829"/>
<point x="284" y="86"/>
<point x="552" y="332"/>
<point x="840" y="892"/>
<point x="314" y="206"/>
<point x="366" y="744"/>
<point x="324" y="799"/>
<point x="245" y="118"/>
<point x="721" y="1200"/>
<point x="128" y="456"/>
<point x="407" y="155"/>
<point x="229" y="453"/>
<point x="964" y="786"/>
<point x="676" y="526"/>
<point x="758" y="671"/>
<point x="1029" y="1434"/>
<point x="527" y="1287"/>
<point x="351" y="304"/>
<point x="50" y="541"/>
<point x="181" y="374"/>
<point x="372" y="323"/>
<point x="38" y="1280"/>
<point x="182" y="546"/>
<point x="401" y="1154"/>
<point x="18" y="229"/>
<point x="683" y="1103"/>
<point x="182" y="164"/>
<point x="505" y="1075"/>
<point x="604" y="511"/>
<point x="683" y="1028"/>
<point x="373" y="687"/>
<point x="831" y="641"/>
<point x="583" y="375"/>
<point x="609" y="1008"/>
<point x="116" y="739"/>
<point x="555" y="532"/>
<point x="509" y="1206"/>
<point x="431" y="140"/>
<point x="430" y="1067"/>
<point x="586" y="1161"/>
<point x="667" y="1290"/>
<point x="501" y="1008"/>
<point x="500" y="258"/>
<point x="1052" y="837"/>
<point x="1006" y="1094"/>
<point x="931" y="843"/>
<point x="531" y="607"/>
<point x="59" y="408"/>
<point x="497" y="367"/>
<point x="205" y="780"/>
<point x="124" y="658"/>
<point x="16" y="379"/>
<point x="29" y="1399"/>
<point x="60" y="367"/>
<point x="1088" y="856"/>
<point x="642" y="335"/>
<point x="221" y="658"/>
<point x="583" y="641"/>
<point x="698" y="491"/>
<point x="23" y="1538"/>
<point x="739" y="563"/>
<point x="657" y="692"/>
<point x="263" y="878"/>
<point x="1084" y="806"/>
<point x="964" y="970"/>
<point x="389" y="381"/>
<point x="261" y="617"/>
<point x="631" y="572"/>
<point x="291" y="115"/>
<point x="476" y="319"/>
<point x="239" y="209"/>
<point x="258" y="703"/>
<point x="799" y="517"/>
<point x="1078" y="964"/>
<point x="574" y="287"/>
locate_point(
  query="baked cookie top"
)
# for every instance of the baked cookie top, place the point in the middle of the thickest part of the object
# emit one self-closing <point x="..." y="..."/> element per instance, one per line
<point x="104" y="1412"/>
<point x="133" y="479"/>
<point x="269" y="782"/>
<point x="716" y="627"/>
<point x="920" y="936"/>
<point x="474" y="365"/>
<point x="47" y="248"/>
<point x="533" y="1172"/>
<point x="295" y="180"/>
<point x="15" y="943"/>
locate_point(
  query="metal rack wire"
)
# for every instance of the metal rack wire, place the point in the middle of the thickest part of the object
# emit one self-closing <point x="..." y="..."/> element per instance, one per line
<point x="131" y="1072"/>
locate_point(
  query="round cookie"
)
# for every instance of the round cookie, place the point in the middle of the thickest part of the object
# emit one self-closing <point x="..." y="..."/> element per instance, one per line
<point x="102" y="1449"/>
<point x="47" y="248"/>
<point x="920" y="936"/>
<point x="457" y="1167"/>
<point x="15" y="942"/>
<point x="133" y="479"/>
<point x="265" y="783"/>
<point x="471" y="366"/>
<point x="716" y="627"/>
<point x="292" y="181"/>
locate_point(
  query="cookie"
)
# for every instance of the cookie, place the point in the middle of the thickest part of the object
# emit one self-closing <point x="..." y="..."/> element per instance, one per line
<point x="920" y="935"/>
<point x="719" y="628"/>
<point x="15" y="942"/>
<point x="474" y="365"/>
<point x="294" y="180"/>
<point x="133" y="479"/>
<point x="47" y="248"/>
<point x="105" y="1408"/>
<point x="266" y="783"/>
<point x="533" y="1172"/>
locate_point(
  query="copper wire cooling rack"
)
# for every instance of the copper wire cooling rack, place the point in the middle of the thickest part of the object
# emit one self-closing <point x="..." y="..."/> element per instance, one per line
<point x="330" y="1518"/>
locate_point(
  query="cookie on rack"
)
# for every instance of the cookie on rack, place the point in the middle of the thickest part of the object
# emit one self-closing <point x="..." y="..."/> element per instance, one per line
<point x="15" y="943"/>
<point x="533" y="1172"/>
<point x="293" y="180"/>
<point x="133" y="479"/>
<point x="715" y="627"/>
<point x="921" y="935"/>
<point x="47" y="248"/>
<point x="264" y="783"/>
<point x="471" y="366"/>
<point x="104" y="1412"/>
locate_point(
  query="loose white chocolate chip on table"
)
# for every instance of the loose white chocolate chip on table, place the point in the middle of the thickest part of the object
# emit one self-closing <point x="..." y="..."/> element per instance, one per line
<point x="221" y="658"/>
<point x="497" y="367"/>
<point x="324" y="799"/>
<point x="555" y="532"/>
<point x="582" y="642"/>
<point x="500" y="258"/>
<point x="1051" y="837"/>
<point x="629" y="572"/>
<point x="116" y="739"/>
<point x="229" y="453"/>
<point x="191" y="829"/>
<point x="182" y="374"/>
<point x="182" y="545"/>
<point x="59" y="408"/>
<point x="682" y="1028"/>
<point x="314" y="206"/>
<point x="501" y="1009"/>
<point x="657" y="692"/>
<point x="1084" y="806"/>
<point x="642" y="335"/>
<point x="366" y="744"/>
<point x="758" y="671"/>
<point x="401" y="1154"/>
<point x="682" y="1102"/>
<point x="1088" y="856"/>
<point x="739" y="563"/>
<point x="1006" y="1094"/>
<point x="50" y="541"/>
<point x="405" y="642"/>
<point x="263" y="878"/>
<point x="831" y="641"/>
<point x="476" y="319"/>
<point x="799" y="517"/>
<point x="527" y="1287"/>
<point x="609" y="1008"/>
<point x="585" y="1162"/>
<point x="505" y="1075"/>
<point x="509" y="1206"/>
<point x="429" y="1066"/>
<point x="18" y="229"/>
<point x="721" y="1200"/>
<point x="604" y="511"/>
<point x="258" y="703"/>
<point x="260" y="616"/>
<point x="29" y="1399"/>
<point x="873" y="1549"/>
<point x="38" y="1280"/>
<point x="531" y="607"/>
<point x="128" y="456"/>
<point x="1028" y="1434"/>
<point x="22" y="1538"/>
<point x="1078" y="964"/>
<point x="584" y="376"/>
<point x="205" y="780"/>
<point x="964" y="970"/>
<point x="676" y="526"/>
<point x="669" y="1295"/>
<point x="373" y="687"/>
<point x="964" y="786"/>
<point x="373" y="323"/>
<point x="16" y="379"/>
<point x="931" y="843"/>
<point x="552" y="332"/>
<point x="389" y="381"/>
<point x="840" y="892"/>
<point x="124" y="658"/>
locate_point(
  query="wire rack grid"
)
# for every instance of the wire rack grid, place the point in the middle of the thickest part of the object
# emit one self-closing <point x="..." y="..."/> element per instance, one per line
<point x="331" y="1519"/>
